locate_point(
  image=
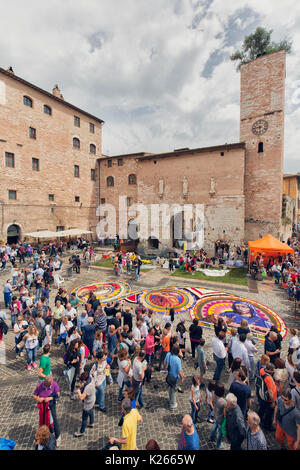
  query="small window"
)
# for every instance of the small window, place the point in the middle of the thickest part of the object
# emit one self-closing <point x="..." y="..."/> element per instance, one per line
<point x="93" y="174"/>
<point x="222" y="154"/>
<point x="129" y="201"/>
<point x="32" y="133"/>
<point x="120" y="161"/>
<point x="132" y="179"/>
<point x="93" y="149"/>
<point x="47" y="110"/>
<point x="110" y="181"/>
<point x="12" y="194"/>
<point x="35" y="164"/>
<point x="9" y="160"/>
<point x="76" y="121"/>
<point x="109" y="163"/>
<point x="52" y="210"/>
<point x="92" y="128"/>
<point x="60" y="228"/>
<point x="51" y="197"/>
<point x="77" y="198"/>
<point x="76" y="143"/>
<point x="102" y="200"/>
<point x="27" y="101"/>
<point x="76" y="171"/>
<point x="260" y="147"/>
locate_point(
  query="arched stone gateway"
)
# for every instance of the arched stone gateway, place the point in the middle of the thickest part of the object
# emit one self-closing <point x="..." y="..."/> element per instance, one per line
<point x="13" y="233"/>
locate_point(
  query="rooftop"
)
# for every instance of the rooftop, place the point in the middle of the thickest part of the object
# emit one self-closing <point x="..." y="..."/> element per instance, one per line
<point x="49" y="95"/>
<point x="182" y="151"/>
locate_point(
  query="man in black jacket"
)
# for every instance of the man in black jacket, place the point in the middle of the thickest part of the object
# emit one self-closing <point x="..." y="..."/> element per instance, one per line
<point x="235" y="423"/>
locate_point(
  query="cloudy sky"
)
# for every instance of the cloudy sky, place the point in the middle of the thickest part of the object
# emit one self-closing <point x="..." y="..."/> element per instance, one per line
<point x="157" y="72"/>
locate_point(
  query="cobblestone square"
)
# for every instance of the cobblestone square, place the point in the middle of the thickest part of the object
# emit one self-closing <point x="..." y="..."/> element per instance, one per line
<point x="19" y="415"/>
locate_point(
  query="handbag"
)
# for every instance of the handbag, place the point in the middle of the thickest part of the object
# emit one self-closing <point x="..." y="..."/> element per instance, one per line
<point x="170" y="379"/>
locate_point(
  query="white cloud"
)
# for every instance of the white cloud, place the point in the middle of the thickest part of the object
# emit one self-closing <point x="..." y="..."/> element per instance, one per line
<point x="138" y="65"/>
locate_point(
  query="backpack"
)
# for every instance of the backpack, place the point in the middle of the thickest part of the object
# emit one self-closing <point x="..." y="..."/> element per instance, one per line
<point x="42" y="335"/>
<point x="261" y="387"/>
<point x="3" y="327"/>
<point x="131" y="347"/>
<point x="86" y="352"/>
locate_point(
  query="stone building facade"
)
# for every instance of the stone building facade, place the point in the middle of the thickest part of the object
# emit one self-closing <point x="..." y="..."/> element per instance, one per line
<point x="246" y="177"/>
<point x="48" y="160"/>
<point x="53" y="174"/>
<point x="212" y="177"/>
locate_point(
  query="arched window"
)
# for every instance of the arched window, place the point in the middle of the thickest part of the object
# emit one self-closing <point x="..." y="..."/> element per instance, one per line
<point x="132" y="179"/>
<point x="93" y="149"/>
<point x="27" y="101"/>
<point x="110" y="181"/>
<point x="76" y="143"/>
<point x="260" y="147"/>
<point x="47" y="110"/>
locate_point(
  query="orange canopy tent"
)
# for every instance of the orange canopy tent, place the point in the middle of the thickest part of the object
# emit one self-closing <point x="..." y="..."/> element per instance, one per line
<point x="268" y="246"/>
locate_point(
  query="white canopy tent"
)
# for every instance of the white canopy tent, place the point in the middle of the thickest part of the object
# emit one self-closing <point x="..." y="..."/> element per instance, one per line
<point x="41" y="234"/>
<point x="71" y="232"/>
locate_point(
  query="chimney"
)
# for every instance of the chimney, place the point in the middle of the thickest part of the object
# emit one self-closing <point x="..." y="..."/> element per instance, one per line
<point x="56" y="92"/>
<point x="10" y="70"/>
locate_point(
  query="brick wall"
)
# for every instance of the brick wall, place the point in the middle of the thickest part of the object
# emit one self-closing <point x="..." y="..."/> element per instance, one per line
<point x="53" y="147"/>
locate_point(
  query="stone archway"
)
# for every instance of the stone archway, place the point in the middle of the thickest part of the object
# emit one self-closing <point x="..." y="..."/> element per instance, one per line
<point x="13" y="234"/>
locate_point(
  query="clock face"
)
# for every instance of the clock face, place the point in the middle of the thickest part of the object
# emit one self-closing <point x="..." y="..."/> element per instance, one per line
<point x="260" y="127"/>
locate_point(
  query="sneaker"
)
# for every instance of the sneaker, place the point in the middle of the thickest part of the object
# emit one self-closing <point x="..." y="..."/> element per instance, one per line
<point x="173" y="408"/>
<point x="72" y="396"/>
<point x="58" y="441"/>
<point x="102" y="409"/>
<point x="221" y="447"/>
<point x="210" y="420"/>
<point x="34" y="365"/>
<point x="90" y="426"/>
<point x="78" y="434"/>
<point x="29" y="367"/>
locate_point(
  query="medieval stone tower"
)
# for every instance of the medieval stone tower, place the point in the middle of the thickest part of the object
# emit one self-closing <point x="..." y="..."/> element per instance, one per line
<point x="262" y="129"/>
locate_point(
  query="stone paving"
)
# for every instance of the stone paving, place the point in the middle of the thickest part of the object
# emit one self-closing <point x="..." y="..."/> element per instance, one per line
<point x="19" y="415"/>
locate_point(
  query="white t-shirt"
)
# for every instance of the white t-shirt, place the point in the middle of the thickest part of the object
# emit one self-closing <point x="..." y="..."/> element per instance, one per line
<point x="136" y="334"/>
<point x="72" y="313"/>
<point x="63" y="328"/>
<point x="196" y="392"/>
<point x="48" y="329"/>
<point x="294" y="342"/>
<point x="144" y="330"/>
<point x="31" y="342"/>
<point x="18" y="328"/>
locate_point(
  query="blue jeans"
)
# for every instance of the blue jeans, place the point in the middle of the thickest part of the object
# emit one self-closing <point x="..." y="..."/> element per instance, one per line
<point x="252" y="367"/>
<point x="31" y="355"/>
<point x="220" y="364"/>
<point x="38" y="294"/>
<point x="136" y="274"/>
<point x="7" y="299"/>
<point x="195" y="412"/>
<point x="216" y="429"/>
<point x="128" y="268"/>
<point x="100" y="395"/>
<point x="86" y="414"/>
<point x="13" y="319"/>
<point x="52" y="406"/>
<point x="139" y="396"/>
<point x="128" y="384"/>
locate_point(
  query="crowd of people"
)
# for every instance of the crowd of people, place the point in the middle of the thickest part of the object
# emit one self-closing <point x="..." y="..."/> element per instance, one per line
<point x="103" y="344"/>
